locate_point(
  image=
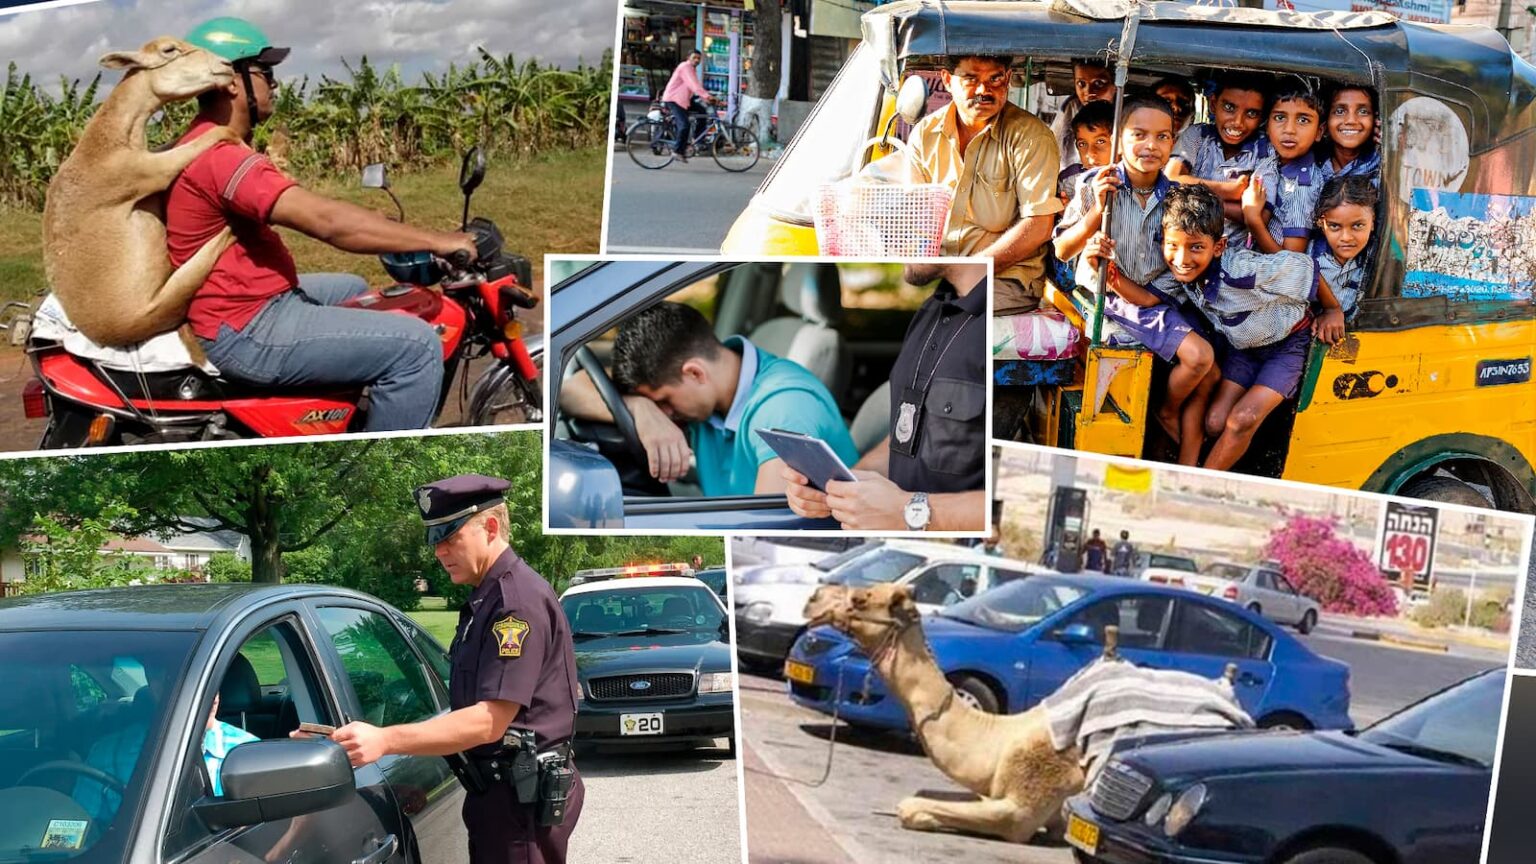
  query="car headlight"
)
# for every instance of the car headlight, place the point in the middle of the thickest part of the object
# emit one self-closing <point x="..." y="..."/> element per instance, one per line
<point x="759" y="612"/>
<point x="716" y="682"/>
<point x="1158" y="810"/>
<point x="1184" y="810"/>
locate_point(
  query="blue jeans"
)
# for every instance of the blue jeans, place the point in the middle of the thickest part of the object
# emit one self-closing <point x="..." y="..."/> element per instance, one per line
<point x="680" y="125"/>
<point x="301" y="338"/>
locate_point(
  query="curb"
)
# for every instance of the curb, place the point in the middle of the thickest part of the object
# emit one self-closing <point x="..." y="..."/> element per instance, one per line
<point x="1395" y="639"/>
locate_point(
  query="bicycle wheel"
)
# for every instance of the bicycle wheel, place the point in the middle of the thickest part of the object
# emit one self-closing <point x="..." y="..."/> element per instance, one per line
<point x="650" y="144"/>
<point x="735" y="148"/>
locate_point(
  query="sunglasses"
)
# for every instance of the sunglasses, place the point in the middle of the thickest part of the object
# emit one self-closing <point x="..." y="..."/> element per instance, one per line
<point x="266" y="72"/>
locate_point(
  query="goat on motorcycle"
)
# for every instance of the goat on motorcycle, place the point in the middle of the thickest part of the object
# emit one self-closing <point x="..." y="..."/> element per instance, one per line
<point x="258" y="319"/>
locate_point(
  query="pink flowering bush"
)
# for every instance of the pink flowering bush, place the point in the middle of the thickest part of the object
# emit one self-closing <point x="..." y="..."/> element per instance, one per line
<point x="1329" y="568"/>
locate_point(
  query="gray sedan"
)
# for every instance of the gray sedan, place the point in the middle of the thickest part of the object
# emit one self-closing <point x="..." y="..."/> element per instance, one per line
<point x="1259" y="588"/>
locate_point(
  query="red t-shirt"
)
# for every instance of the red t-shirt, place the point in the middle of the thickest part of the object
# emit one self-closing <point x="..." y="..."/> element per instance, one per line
<point x="230" y="185"/>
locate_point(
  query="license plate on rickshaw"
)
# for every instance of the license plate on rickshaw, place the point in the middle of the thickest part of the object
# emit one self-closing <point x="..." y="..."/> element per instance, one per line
<point x="801" y="672"/>
<point x="1082" y="833"/>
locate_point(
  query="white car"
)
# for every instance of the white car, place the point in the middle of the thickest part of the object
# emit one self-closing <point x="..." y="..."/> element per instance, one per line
<point x="770" y="612"/>
<point x="1165" y="569"/>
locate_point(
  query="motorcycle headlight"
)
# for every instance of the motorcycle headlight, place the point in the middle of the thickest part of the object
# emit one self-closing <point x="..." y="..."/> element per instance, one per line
<point x="759" y="612"/>
<point x="1184" y="810"/>
<point x="1158" y="810"/>
<point x="716" y="682"/>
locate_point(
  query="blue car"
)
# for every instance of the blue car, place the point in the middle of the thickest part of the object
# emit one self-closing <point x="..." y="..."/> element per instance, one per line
<point x="1008" y="648"/>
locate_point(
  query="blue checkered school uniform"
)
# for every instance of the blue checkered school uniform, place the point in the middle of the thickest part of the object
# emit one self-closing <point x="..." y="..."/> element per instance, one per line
<point x="1292" y="190"/>
<point x="1253" y="299"/>
<point x="1199" y="146"/>
<point x="1346" y="278"/>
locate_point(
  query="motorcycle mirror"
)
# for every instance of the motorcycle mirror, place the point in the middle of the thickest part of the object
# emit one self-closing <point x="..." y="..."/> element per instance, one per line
<point x="375" y="177"/>
<point x="473" y="170"/>
<point x="911" y="99"/>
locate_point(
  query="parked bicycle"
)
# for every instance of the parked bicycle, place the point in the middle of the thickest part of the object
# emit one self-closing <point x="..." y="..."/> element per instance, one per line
<point x="652" y="142"/>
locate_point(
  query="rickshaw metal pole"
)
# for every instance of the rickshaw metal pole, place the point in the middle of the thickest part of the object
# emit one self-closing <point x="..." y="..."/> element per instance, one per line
<point x="1122" y="74"/>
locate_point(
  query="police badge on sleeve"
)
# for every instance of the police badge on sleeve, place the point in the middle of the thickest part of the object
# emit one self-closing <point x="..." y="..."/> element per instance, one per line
<point x="510" y="633"/>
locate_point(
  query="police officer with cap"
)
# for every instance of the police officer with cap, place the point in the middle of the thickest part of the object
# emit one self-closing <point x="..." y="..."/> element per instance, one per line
<point x="513" y="688"/>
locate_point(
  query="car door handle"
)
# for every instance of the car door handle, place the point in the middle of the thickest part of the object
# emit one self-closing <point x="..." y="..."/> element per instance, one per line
<point x="1249" y="679"/>
<point x="381" y="853"/>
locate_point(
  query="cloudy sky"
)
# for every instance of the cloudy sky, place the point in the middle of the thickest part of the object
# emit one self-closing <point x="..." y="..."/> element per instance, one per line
<point x="417" y="34"/>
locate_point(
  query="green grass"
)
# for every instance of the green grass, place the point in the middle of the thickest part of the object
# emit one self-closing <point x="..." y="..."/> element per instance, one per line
<point x="440" y="624"/>
<point x="549" y="204"/>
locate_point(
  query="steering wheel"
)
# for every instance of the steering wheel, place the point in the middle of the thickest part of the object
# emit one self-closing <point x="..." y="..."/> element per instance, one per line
<point x="71" y="766"/>
<point x="623" y="420"/>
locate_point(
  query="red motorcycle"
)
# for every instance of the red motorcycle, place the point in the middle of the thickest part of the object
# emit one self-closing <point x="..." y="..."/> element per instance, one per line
<point x="471" y="304"/>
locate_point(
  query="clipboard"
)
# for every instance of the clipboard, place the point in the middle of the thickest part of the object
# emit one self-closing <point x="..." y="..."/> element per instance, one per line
<point x="812" y="457"/>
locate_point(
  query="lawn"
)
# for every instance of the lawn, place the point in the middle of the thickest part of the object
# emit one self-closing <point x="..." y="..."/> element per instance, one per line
<point x="547" y="205"/>
<point x="436" y="619"/>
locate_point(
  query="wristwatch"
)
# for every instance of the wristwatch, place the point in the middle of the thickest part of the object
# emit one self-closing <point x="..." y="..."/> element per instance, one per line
<point x="917" y="513"/>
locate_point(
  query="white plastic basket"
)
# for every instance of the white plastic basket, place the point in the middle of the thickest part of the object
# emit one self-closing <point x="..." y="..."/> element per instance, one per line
<point x="882" y="219"/>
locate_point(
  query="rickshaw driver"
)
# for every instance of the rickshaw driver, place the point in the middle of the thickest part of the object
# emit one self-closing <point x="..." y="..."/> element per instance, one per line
<point x="1001" y="163"/>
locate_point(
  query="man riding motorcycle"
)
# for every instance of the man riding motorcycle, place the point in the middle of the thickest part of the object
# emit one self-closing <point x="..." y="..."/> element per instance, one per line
<point x="257" y="318"/>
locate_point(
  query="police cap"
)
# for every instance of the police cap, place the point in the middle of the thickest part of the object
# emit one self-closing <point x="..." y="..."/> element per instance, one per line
<point x="447" y="504"/>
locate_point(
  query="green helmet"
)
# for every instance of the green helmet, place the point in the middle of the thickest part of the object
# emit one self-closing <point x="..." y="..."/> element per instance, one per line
<point x="236" y="39"/>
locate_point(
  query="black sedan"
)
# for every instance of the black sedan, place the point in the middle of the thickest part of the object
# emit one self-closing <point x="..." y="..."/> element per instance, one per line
<point x="654" y="660"/>
<point x="1411" y="789"/>
<point x="106" y="698"/>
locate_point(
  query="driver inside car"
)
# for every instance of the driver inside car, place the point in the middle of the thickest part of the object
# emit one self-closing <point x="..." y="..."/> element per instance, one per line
<point x="697" y="399"/>
<point x="256" y="317"/>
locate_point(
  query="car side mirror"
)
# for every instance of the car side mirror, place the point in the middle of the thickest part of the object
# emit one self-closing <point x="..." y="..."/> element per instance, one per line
<point x="911" y="99"/>
<point x="375" y="176"/>
<point x="269" y="780"/>
<point x="1076" y="634"/>
<point x="584" y="489"/>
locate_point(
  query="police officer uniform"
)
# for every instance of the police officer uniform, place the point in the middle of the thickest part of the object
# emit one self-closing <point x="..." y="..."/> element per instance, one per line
<point x="939" y="400"/>
<point x="513" y="644"/>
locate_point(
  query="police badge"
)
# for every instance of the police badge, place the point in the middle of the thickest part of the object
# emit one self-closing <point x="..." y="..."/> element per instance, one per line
<point x="909" y="417"/>
<point x="424" y="500"/>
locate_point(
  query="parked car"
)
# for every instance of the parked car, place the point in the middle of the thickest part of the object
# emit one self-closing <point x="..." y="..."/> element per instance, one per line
<point x="105" y="694"/>
<point x="1410" y="789"/>
<point x="1006" y="649"/>
<point x="789" y="549"/>
<point x="598" y="475"/>
<point x="1164" y="569"/>
<point x="770" y="614"/>
<point x="715" y="578"/>
<point x="1261" y="589"/>
<point x="654" y="662"/>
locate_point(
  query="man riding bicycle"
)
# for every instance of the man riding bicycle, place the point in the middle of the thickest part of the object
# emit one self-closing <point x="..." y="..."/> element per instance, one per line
<point x="682" y="88"/>
<point x="257" y="318"/>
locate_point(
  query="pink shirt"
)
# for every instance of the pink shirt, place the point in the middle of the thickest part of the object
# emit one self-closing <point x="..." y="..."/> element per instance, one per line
<point x="684" y="81"/>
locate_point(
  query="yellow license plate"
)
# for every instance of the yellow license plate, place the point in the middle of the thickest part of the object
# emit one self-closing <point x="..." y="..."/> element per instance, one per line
<point x="799" y="672"/>
<point x="1082" y="834"/>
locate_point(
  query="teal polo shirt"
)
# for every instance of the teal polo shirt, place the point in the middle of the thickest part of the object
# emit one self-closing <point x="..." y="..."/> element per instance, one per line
<point x="771" y="393"/>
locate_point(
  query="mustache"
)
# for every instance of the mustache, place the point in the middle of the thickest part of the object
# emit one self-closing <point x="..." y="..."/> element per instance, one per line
<point x="983" y="99"/>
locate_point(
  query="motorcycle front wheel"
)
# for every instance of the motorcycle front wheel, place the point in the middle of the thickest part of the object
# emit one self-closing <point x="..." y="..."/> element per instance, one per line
<point x="502" y="397"/>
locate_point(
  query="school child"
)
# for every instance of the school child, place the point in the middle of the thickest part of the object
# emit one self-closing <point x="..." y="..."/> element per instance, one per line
<point x="1346" y="215"/>
<point x="1138" y="187"/>
<point x="1180" y="96"/>
<point x="1221" y="154"/>
<point x="1282" y="194"/>
<point x="1350" y="150"/>
<point x="1091" y="129"/>
<point x="1259" y="304"/>
<point x="1092" y="81"/>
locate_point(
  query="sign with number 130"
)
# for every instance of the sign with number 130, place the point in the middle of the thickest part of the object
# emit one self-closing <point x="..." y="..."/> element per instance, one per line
<point x="1408" y="545"/>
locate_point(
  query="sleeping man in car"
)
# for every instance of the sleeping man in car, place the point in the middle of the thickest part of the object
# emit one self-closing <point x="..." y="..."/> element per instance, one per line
<point x="698" y="402"/>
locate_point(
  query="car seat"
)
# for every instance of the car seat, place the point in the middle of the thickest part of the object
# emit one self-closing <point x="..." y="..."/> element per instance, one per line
<point x="674" y="608"/>
<point x="240" y="700"/>
<point x="814" y="293"/>
<point x="591" y="619"/>
<point x="873" y="422"/>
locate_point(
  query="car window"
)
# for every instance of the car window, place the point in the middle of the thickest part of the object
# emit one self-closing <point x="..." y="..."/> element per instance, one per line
<point x="945" y="584"/>
<point x="266" y="689"/>
<point x="1202" y="629"/>
<point x="1017" y="606"/>
<point x="687" y="609"/>
<point x="1262" y="579"/>
<point x="1003" y="577"/>
<point x="1141" y="619"/>
<point x="1172" y="562"/>
<point x="1462" y="721"/>
<point x="62" y="705"/>
<point x="1282" y="584"/>
<point x="437" y="656"/>
<point x="877" y="567"/>
<point x="1229" y="572"/>
<point x="390" y="683"/>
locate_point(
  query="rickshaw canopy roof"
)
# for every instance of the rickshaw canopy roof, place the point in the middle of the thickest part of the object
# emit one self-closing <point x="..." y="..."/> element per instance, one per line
<point x="1361" y="47"/>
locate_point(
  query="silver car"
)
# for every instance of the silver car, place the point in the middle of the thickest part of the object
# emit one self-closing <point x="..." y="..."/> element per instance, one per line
<point x="1261" y="588"/>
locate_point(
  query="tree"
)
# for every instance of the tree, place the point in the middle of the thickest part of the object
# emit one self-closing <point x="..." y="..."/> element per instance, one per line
<point x="284" y="498"/>
<point x="1328" y="568"/>
<point x="767" y="41"/>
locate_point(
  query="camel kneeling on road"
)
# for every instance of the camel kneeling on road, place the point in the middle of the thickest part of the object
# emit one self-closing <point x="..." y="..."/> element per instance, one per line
<point x="1007" y="759"/>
